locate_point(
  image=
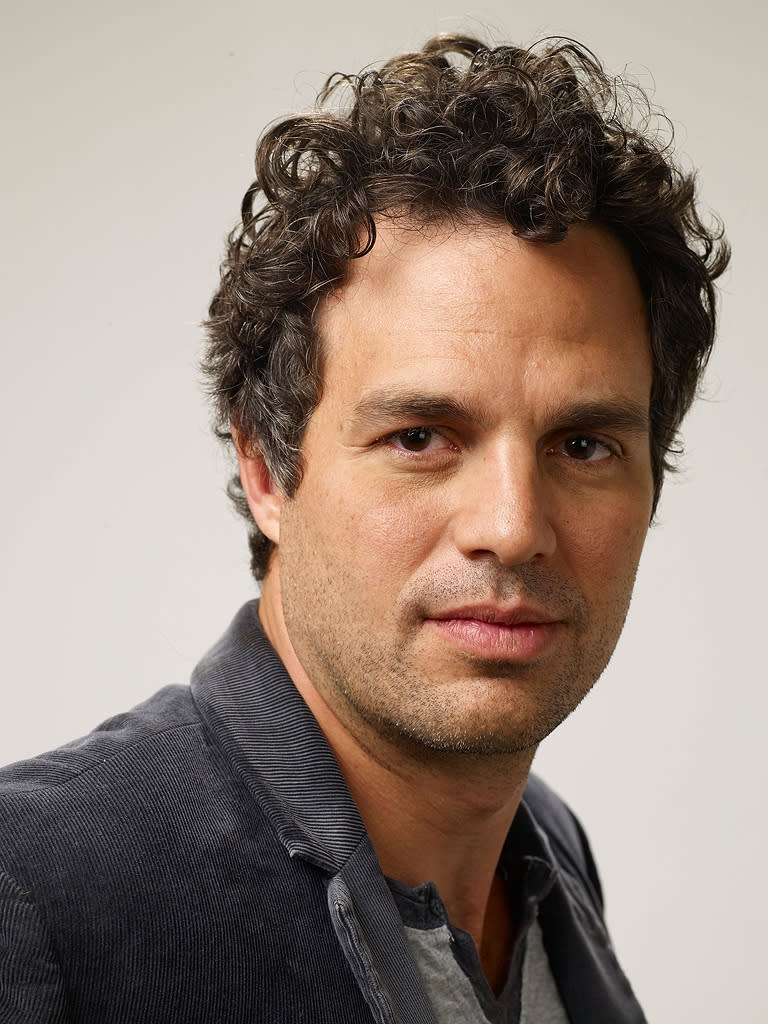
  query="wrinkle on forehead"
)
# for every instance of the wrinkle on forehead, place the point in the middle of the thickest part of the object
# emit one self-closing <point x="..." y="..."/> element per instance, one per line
<point x="383" y="285"/>
<point x="401" y="244"/>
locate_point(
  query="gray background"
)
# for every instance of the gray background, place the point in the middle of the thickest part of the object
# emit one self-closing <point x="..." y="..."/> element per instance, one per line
<point x="128" y="136"/>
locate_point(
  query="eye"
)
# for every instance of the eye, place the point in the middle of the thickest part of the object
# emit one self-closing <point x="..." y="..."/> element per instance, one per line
<point x="586" y="448"/>
<point x="415" y="439"/>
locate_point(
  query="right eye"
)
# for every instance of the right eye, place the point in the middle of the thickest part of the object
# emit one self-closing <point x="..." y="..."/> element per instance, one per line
<point x="414" y="439"/>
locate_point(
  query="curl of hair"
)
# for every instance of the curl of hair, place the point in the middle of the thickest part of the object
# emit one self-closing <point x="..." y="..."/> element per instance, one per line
<point x="540" y="137"/>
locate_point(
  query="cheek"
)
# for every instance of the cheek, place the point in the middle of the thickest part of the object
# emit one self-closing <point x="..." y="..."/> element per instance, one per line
<point x="379" y="528"/>
<point x="603" y="547"/>
<point x="397" y="535"/>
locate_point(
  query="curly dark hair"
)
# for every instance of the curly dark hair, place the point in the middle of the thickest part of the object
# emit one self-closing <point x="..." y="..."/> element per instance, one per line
<point x="540" y="137"/>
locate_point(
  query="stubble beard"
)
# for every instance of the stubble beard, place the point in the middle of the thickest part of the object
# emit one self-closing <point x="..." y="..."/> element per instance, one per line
<point x="452" y="704"/>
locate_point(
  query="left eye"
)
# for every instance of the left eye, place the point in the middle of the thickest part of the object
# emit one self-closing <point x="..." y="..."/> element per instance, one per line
<point x="586" y="448"/>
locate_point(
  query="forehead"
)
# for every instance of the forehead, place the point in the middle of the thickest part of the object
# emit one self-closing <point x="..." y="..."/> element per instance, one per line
<point x="462" y="303"/>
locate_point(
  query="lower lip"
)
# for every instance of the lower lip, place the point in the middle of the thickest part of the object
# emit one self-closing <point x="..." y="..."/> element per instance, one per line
<point x="522" y="642"/>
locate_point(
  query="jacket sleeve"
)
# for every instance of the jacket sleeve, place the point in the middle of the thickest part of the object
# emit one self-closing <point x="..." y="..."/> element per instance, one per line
<point x="31" y="983"/>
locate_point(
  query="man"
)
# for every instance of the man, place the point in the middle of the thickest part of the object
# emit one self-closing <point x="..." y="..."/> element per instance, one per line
<point x="455" y="337"/>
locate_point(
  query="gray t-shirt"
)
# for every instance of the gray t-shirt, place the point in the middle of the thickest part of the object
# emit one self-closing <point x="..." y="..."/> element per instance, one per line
<point x="450" y="966"/>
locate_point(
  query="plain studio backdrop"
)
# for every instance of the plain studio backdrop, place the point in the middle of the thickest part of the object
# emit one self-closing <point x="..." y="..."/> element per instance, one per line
<point x="129" y="131"/>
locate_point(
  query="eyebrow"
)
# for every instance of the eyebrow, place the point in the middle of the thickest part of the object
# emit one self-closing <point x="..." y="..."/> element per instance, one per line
<point x="381" y="407"/>
<point x="621" y="414"/>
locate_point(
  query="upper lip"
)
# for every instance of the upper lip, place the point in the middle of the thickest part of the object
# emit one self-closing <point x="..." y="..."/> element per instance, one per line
<point x="511" y="615"/>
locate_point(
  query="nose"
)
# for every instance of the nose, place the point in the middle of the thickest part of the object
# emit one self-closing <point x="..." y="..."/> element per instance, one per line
<point x="504" y="509"/>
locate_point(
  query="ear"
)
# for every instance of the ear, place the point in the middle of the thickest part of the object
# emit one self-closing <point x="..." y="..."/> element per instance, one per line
<point x="265" y="499"/>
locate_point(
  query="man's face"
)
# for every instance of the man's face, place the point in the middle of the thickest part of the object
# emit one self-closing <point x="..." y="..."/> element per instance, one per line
<point x="457" y="562"/>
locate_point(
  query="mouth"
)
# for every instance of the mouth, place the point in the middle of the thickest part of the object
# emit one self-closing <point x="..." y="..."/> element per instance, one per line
<point x="515" y="633"/>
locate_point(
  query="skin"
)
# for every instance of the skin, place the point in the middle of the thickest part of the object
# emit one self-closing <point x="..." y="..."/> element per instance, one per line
<point x="480" y="451"/>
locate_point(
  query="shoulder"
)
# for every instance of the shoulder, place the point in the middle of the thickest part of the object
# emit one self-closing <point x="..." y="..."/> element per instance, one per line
<point x="83" y="795"/>
<point x="132" y="734"/>
<point x="144" y="792"/>
<point x="565" y="834"/>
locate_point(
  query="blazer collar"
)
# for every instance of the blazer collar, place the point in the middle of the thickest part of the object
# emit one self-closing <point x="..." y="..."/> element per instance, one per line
<point x="257" y="716"/>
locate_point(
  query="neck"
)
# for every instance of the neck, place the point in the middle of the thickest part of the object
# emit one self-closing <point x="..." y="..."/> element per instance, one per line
<point x="431" y="816"/>
<point x="447" y="825"/>
<point x="445" y="822"/>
